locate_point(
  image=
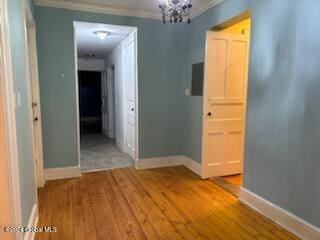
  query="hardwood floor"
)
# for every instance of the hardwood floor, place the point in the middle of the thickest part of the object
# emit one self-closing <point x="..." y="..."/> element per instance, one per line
<point x="234" y="179"/>
<point x="166" y="203"/>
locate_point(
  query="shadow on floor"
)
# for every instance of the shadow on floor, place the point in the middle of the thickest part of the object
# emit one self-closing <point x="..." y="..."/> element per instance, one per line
<point x="231" y="184"/>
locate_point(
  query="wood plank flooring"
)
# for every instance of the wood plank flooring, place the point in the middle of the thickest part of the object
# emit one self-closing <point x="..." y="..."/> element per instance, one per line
<point x="234" y="179"/>
<point x="166" y="203"/>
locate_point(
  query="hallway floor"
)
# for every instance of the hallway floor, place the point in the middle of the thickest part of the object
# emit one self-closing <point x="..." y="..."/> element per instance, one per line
<point x="166" y="203"/>
<point x="100" y="153"/>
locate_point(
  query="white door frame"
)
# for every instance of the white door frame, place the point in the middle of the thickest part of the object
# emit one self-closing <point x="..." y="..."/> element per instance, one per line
<point x="203" y="163"/>
<point x="77" y="91"/>
<point x="135" y="31"/>
<point x="125" y="106"/>
<point x="10" y="117"/>
<point x="33" y="77"/>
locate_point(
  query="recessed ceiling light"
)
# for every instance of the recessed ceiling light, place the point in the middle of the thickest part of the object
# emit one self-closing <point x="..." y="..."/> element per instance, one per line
<point x="101" y="34"/>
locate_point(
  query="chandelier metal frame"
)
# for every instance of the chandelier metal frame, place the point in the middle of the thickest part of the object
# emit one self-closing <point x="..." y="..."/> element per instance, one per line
<point x="175" y="10"/>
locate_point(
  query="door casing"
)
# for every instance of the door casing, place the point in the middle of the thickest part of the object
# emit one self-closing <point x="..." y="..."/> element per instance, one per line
<point x="129" y="108"/>
<point x="135" y="33"/>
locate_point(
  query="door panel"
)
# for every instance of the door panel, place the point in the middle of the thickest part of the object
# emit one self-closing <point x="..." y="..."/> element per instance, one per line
<point x="235" y="73"/>
<point x="130" y="78"/>
<point x="234" y="143"/>
<point x="217" y="50"/>
<point x="216" y="140"/>
<point x="224" y="103"/>
<point x="34" y="94"/>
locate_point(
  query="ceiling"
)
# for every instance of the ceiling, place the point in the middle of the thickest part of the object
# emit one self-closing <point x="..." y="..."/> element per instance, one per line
<point x="137" y="8"/>
<point x="89" y="43"/>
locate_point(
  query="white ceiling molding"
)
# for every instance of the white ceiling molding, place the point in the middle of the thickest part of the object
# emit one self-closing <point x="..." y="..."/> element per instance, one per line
<point x="99" y="8"/>
<point x="93" y="8"/>
<point x="204" y="7"/>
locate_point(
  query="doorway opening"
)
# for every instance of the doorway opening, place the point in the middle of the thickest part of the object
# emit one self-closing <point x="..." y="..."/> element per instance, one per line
<point x="225" y="101"/>
<point x="106" y="65"/>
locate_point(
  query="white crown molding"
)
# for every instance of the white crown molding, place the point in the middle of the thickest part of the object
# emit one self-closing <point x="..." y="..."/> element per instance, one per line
<point x="204" y="7"/>
<point x="118" y="11"/>
<point x="95" y="8"/>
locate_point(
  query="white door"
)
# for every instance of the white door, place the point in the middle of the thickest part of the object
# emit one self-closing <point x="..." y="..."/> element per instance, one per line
<point x="111" y="103"/>
<point x="36" y="111"/>
<point x="226" y="67"/>
<point x="130" y="84"/>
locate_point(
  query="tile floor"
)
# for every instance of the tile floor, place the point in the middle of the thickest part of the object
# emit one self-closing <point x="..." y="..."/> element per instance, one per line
<point x="100" y="153"/>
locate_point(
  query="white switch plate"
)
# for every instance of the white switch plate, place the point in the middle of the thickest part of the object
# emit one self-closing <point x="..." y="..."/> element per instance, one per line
<point x="18" y="100"/>
<point x="187" y="91"/>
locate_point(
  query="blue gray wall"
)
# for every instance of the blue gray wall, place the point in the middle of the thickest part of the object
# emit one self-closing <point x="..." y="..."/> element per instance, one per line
<point x="23" y="117"/>
<point x="282" y="141"/>
<point x="281" y="159"/>
<point x="159" y="53"/>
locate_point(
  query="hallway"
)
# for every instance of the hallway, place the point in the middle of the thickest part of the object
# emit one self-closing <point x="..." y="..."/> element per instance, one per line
<point x="99" y="152"/>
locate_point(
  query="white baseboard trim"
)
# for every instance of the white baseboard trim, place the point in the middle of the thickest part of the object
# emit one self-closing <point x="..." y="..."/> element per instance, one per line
<point x="61" y="173"/>
<point x="192" y="165"/>
<point x="284" y="218"/>
<point x="33" y="221"/>
<point x="121" y="146"/>
<point x="158" y="162"/>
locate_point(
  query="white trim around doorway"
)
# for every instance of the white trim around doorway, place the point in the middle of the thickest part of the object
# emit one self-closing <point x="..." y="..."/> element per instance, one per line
<point x="135" y="32"/>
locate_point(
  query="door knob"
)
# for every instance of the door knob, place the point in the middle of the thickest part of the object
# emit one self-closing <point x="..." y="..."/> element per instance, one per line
<point x="209" y="114"/>
<point x="36" y="119"/>
<point x="132" y="109"/>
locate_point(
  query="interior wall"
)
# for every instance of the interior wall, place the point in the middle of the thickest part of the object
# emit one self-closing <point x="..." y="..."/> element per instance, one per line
<point x="282" y="133"/>
<point x="91" y="64"/>
<point x="281" y="162"/>
<point x="160" y="77"/>
<point x="23" y="113"/>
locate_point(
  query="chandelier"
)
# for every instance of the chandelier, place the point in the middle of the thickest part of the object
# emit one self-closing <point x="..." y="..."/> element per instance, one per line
<point x="175" y="10"/>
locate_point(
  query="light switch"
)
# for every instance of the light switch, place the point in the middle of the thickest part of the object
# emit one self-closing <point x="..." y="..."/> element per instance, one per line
<point x="18" y="100"/>
<point x="187" y="91"/>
